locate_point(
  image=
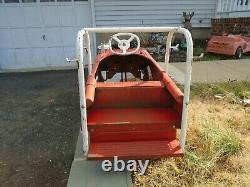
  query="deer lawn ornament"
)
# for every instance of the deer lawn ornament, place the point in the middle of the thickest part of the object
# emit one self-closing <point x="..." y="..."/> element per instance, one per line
<point x="187" y="20"/>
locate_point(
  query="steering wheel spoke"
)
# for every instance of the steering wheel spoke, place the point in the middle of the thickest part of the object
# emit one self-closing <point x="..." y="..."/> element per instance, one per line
<point x="124" y="44"/>
<point x="124" y="51"/>
<point x="117" y="39"/>
<point x="131" y="38"/>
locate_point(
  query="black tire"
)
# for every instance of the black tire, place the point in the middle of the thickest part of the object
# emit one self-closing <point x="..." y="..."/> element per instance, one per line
<point x="238" y="53"/>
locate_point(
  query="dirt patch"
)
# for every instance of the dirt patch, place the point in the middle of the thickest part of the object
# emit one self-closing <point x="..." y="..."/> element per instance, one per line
<point x="39" y="125"/>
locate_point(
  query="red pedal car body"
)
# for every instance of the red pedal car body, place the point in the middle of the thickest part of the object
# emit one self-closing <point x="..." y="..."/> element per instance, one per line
<point x="133" y="108"/>
<point x="234" y="45"/>
<point x="130" y="107"/>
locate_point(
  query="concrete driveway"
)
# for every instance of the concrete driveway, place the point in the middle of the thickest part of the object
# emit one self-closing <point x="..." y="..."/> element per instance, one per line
<point x="39" y="125"/>
<point x="213" y="71"/>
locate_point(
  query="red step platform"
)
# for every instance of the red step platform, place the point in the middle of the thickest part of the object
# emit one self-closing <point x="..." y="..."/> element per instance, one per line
<point x="133" y="133"/>
<point x="134" y="150"/>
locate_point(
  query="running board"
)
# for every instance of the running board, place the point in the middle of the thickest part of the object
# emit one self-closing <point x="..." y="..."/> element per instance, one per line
<point x="134" y="150"/>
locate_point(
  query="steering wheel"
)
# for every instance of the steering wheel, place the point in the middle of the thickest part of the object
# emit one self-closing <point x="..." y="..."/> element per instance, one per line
<point x="124" y="44"/>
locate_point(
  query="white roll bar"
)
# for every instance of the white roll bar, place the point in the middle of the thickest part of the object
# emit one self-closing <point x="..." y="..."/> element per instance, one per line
<point x="84" y="55"/>
<point x="81" y="56"/>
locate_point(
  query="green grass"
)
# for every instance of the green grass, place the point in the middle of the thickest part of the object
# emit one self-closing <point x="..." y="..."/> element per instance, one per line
<point x="215" y="144"/>
<point x="205" y="155"/>
<point x="217" y="138"/>
<point x="238" y="89"/>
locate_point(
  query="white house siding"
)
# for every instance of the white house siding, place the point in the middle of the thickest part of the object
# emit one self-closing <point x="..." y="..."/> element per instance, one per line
<point x="152" y="12"/>
<point x="233" y="8"/>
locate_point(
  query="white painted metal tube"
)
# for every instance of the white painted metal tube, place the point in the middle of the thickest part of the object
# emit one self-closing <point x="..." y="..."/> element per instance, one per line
<point x="135" y="29"/>
<point x="168" y="47"/>
<point x="81" y="55"/>
<point x="89" y="52"/>
<point x="188" y="72"/>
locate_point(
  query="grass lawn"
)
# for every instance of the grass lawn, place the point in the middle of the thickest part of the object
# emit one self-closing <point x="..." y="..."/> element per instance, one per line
<point x="218" y="142"/>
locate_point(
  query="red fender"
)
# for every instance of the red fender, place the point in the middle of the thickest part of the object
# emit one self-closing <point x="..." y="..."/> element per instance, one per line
<point x="90" y="90"/>
<point x="172" y="88"/>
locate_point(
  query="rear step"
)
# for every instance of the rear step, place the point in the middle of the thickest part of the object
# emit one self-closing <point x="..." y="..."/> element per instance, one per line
<point x="132" y="124"/>
<point x="127" y="118"/>
<point x="134" y="150"/>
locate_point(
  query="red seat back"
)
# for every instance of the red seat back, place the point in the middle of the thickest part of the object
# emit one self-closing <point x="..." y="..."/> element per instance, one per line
<point x="132" y="94"/>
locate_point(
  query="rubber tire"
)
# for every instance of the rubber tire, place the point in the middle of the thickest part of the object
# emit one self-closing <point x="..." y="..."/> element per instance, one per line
<point x="238" y="53"/>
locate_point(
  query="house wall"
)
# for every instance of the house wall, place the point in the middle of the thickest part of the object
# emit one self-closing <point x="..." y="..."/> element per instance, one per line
<point x="235" y="14"/>
<point x="233" y="8"/>
<point x="231" y="26"/>
<point x="152" y="12"/>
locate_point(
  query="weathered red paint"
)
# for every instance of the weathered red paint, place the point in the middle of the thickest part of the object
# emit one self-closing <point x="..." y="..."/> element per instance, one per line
<point x="134" y="96"/>
<point x="135" y="150"/>
<point x="109" y="117"/>
<point x="132" y="119"/>
<point x="228" y="44"/>
<point x="132" y="135"/>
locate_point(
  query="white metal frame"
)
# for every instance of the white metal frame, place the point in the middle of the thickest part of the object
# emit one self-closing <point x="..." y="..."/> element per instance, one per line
<point x="84" y="55"/>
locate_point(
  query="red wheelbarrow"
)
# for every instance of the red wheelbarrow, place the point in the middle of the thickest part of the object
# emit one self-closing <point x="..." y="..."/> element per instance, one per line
<point x="130" y="107"/>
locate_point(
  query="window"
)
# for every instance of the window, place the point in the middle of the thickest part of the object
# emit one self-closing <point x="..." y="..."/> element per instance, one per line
<point x="11" y="1"/>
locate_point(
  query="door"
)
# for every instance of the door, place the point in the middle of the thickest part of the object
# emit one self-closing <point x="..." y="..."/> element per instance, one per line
<point x="40" y="34"/>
